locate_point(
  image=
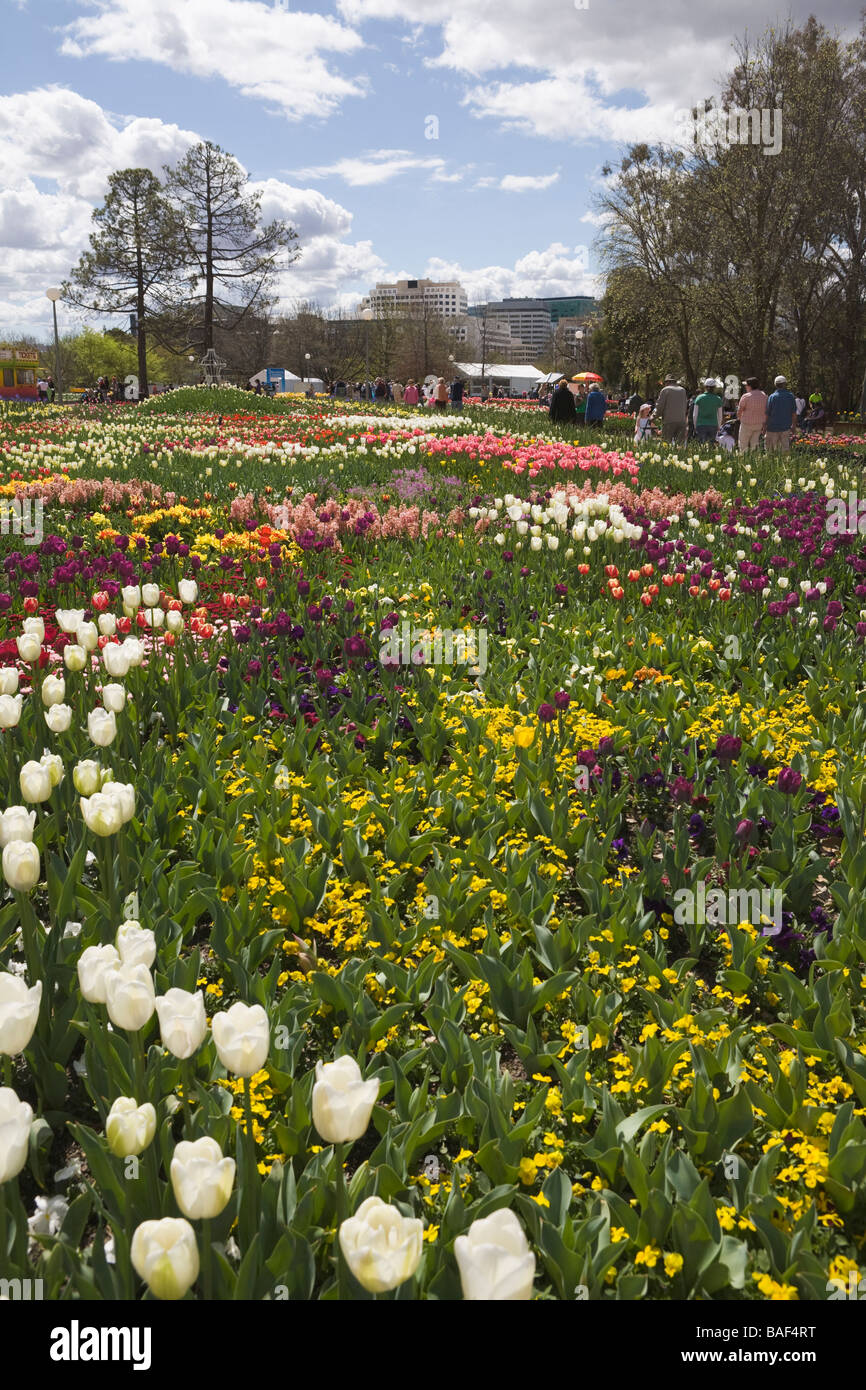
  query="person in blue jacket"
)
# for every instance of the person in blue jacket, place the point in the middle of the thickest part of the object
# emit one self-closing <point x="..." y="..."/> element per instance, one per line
<point x="596" y="406"/>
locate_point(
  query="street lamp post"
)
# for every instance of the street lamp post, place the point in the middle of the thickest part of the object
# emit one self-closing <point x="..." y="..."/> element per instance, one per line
<point x="306" y="364"/>
<point x="54" y="295"/>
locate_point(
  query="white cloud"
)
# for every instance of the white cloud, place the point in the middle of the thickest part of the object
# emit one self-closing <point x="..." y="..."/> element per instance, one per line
<point x="277" y="56"/>
<point x="526" y="183"/>
<point x="374" y="167"/>
<point x="64" y="140"/>
<point x="558" y="269"/>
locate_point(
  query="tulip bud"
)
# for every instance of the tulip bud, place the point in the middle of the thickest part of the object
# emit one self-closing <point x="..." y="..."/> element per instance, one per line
<point x="86" y="778"/>
<point x="35" y="782"/>
<point x="164" y="1254"/>
<point x="242" y="1038"/>
<point x="115" y="659"/>
<point x="342" y="1101"/>
<point x="94" y="966"/>
<point x="58" y="718"/>
<point x="21" y="865"/>
<point x="136" y="945"/>
<point x="19" y="1010"/>
<point x="114" y="697"/>
<point x="16" y="1117"/>
<point x="201" y="1178"/>
<point x="130" y="996"/>
<point x="9" y="680"/>
<point x="495" y="1261"/>
<point x="10" y="711"/>
<point x="29" y="647"/>
<point x="16" y="823"/>
<point x="53" y="764"/>
<point x="381" y="1246"/>
<point x="182" y="1021"/>
<point x="101" y="727"/>
<point x="129" y="1127"/>
<point x="74" y="657"/>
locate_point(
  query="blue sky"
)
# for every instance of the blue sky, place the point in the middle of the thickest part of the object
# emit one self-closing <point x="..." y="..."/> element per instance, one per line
<point x="329" y="107"/>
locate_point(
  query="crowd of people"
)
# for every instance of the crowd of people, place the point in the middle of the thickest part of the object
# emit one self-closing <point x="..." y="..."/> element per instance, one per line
<point x="708" y="417"/>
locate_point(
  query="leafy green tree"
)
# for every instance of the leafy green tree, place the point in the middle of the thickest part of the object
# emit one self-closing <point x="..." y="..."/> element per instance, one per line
<point x="133" y="258"/>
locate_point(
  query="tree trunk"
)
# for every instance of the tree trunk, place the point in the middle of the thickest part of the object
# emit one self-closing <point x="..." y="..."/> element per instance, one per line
<point x="208" y="292"/>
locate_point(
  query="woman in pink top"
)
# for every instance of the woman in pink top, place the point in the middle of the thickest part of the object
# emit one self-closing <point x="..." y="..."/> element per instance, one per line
<point x="752" y="415"/>
<point x="410" y="395"/>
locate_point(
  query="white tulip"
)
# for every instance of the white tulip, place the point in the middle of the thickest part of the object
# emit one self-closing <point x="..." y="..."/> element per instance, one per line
<point x="131" y="596"/>
<point x="182" y="1021"/>
<point x="535" y="543"/>
<point x="107" y="624"/>
<point x="381" y="1246"/>
<point x="201" y="1178"/>
<point x="155" y="617"/>
<point x="101" y="727"/>
<point x="16" y="823"/>
<point x="35" y="627"/>
<point x="242" y="1038"/>
<point x="21" y="865"/>
<point x="53" y="691"/>
<point x="136" y="945"/>
<point x="495" y="1261"/>
<point x="342" y="1101"/>
<point x="134" y="651"/>
<point x="165" y="1255"/>
<point x="87" y="636"/>
<point x="174" y="621"/>
<point x="29" y="647"/>
<point x="115" y="659"/>
<point x="129" y="1127"/>
<point x="94" y="966"/>
<point x="130" y="996"/>
<point x="19" y="1010"/>
<point x="58" y="718"/>
<point x="113" y="697"/>
<point x="86" y="777"/>
<point x="69" y="619"/>
<point x="124" y="794"/>
<point x="150" y="595"/>
<point x="16" y="1118"/>
<point x="74" y="657"/>
<point x="10" y="711"/>
<point x="187" y="591"/>
<point x="35" y="782"/>
<point x="9" y="677"/>
<point x="102" y="814"/>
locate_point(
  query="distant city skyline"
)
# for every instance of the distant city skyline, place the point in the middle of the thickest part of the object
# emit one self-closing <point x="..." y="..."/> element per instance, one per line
<point x="450" y="142"/>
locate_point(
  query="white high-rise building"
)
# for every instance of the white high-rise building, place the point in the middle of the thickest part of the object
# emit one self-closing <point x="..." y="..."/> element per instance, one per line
<point x="445" y="298"/>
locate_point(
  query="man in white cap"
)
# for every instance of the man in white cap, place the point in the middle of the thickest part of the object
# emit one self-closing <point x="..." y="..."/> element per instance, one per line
<point x="707" y="413"/>
<point x="781" y="414"/>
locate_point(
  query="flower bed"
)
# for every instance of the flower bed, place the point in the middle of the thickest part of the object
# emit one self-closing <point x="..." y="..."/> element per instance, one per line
<point x="461" y="831"/>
